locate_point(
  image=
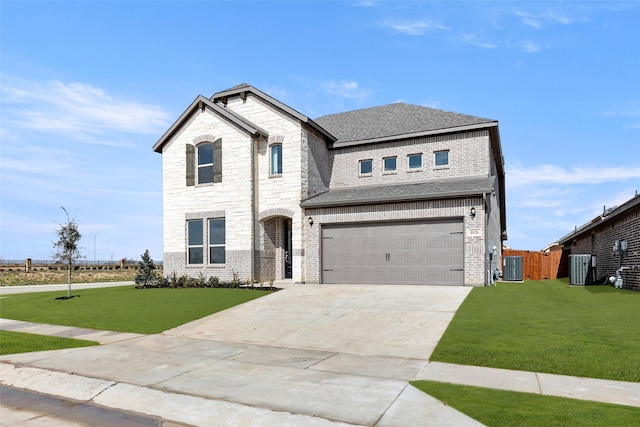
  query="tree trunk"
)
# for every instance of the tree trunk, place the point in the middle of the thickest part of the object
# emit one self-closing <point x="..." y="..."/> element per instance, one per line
<point x="69" y="281"/>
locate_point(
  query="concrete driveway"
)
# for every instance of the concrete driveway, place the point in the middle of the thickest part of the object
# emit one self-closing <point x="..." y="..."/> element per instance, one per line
<point x="371" y="320"/>
<point x="306" y="355"/>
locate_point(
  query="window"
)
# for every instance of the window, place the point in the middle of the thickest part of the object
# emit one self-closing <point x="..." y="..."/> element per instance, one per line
<point x="389" y="164"/>
<point x="366" y="167"/>
<point x="194" y="242"/>
<point x="205" y="163"/>
<point x="276" y="159"/>
<point x="216" y="241"/>
<point x="414" y="161"/>
<point x="441" y="158"/>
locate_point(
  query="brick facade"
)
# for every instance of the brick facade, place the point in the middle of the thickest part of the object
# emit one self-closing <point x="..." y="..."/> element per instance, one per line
<point x="598" y="239"/>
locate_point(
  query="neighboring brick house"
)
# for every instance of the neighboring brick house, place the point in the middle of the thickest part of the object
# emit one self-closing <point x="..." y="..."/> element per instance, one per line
<point x="398" y="194"/>
<point x="599" y="236"/>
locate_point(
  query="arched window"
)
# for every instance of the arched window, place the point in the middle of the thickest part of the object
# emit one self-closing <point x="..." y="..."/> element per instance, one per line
<point x="205" y="163"/>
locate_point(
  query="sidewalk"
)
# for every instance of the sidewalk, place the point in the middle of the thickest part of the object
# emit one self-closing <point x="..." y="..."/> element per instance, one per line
<point x="593" y="389"/>
<point x="201" y="382"/>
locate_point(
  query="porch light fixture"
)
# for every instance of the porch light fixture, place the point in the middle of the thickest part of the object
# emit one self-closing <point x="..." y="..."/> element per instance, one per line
<point x="310" y="221"/>
<point x="473" y="212"/>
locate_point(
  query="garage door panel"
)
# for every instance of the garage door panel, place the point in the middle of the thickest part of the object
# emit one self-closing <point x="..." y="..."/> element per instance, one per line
<point x="419" y="252"/>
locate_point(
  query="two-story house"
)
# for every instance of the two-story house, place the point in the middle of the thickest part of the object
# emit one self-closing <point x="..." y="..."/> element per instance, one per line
<point x="397" y="194"/>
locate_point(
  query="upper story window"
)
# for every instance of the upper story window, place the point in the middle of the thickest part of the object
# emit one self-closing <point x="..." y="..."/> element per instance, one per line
<point x="441" y="158"/>
<point x="414" y="161"/>
<point x="204" y="163"/>
<point x="389" y="164"/>
<point x="194" y="242"/>
<point x="275" y="155"/>
<point x="366" y="167"/>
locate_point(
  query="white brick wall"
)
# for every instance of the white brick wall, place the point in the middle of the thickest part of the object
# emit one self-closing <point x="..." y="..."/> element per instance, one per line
<point x="468" y="156"/>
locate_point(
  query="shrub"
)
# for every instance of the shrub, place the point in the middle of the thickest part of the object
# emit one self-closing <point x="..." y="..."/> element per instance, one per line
<point x="146" y="274"/>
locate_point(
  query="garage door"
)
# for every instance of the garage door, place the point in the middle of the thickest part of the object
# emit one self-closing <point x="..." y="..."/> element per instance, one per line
<point x="426" y="253"/>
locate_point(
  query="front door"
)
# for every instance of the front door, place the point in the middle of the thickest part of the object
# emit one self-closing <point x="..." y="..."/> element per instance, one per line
<point x="288" y="273"/>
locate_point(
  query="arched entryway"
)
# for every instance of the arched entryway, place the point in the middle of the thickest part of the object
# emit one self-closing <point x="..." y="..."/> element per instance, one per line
<point x="275" y="253"/>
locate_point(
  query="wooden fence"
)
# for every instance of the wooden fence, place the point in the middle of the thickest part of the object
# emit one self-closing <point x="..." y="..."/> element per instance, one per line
<point x="541" y="265"/>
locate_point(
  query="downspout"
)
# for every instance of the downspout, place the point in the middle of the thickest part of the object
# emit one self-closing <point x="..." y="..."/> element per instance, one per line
<point x="254" y="141"/>
<point x="487" y="277"/>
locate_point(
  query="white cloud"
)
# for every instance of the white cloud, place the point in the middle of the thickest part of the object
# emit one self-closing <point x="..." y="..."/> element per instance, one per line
<point x="550" y="174"/>
<point x="413" y="28"/>
<point x="348" y="89"/>
<point x="475" y="40"/>
<point x="529" y="46"/>
<point x="78" y="110"/>
<point x="537" y="21"/>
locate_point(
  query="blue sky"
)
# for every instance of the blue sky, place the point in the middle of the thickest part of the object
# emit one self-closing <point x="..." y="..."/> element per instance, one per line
<point x="87" y="88"/>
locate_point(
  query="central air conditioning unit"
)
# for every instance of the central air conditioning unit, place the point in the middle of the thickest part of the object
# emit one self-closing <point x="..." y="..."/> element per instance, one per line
<point x="582" y="269"/>
<point x="512" y="269"/>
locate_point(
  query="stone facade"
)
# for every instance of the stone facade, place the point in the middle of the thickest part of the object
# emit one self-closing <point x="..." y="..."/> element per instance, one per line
<point x="268" y="234"/>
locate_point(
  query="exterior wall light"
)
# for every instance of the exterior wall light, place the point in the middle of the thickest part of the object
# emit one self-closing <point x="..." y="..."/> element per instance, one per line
<point x="473" y="212"/>
<point x="310" y="221"/>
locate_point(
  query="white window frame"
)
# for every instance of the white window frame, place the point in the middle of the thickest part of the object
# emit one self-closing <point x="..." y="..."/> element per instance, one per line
<point x="386" y="171"/>
<point x="200" y="166"/>
<point x="417" y="168"/>
<point x="445" y="166"/>
<point x="360" y="162"/>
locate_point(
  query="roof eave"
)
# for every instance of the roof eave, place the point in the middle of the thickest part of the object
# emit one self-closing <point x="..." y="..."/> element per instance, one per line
<point x="441" y="131"/>
<point x="393" y="199"/>
<point x="248" y="88"/>
<point x="633" y="202"/>
<point x="201" y="103"/>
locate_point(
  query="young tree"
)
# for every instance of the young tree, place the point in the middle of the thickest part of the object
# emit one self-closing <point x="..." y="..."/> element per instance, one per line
<point x="146" y="270"/>
<point x="66" y="247"/>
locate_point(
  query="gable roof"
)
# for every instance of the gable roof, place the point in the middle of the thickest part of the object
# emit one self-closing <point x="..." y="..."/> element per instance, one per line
<point x="243" y="88"/>
<point x="201" y="103"/>
<point x="396" y="121"/>
<point x="607" y="215"/>
<point x="366" y="195"/>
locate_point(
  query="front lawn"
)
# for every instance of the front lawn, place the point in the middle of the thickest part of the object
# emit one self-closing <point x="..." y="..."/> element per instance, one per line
<point x="547" y="326"/>
<point x="124" y="308"/>
<point x="20" y="342"/>
<point x="508" y="408"/>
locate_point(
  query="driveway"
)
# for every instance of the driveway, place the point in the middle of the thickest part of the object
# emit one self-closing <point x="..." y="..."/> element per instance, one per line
<point x="372" y="320"/>
<point x="306" y="355"/>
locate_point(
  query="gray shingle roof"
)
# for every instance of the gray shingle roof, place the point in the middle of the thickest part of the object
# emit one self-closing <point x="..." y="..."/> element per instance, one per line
<point x="401" y="192"/>
<point x="393" y="120"/>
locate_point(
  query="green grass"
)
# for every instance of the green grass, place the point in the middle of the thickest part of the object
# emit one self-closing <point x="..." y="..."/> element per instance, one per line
<point x="19" y="342"/>
<point x="124" y="308"/>
<point x="508" y="408"/>
<point x="547" y="326"/>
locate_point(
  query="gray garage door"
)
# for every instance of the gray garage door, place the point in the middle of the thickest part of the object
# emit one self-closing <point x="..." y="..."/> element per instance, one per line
<point x="423" y="253"/>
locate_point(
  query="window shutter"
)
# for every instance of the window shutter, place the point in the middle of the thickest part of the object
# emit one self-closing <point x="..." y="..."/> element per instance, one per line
<point x="191" y="165"/>
<point x="217" y="160"/>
